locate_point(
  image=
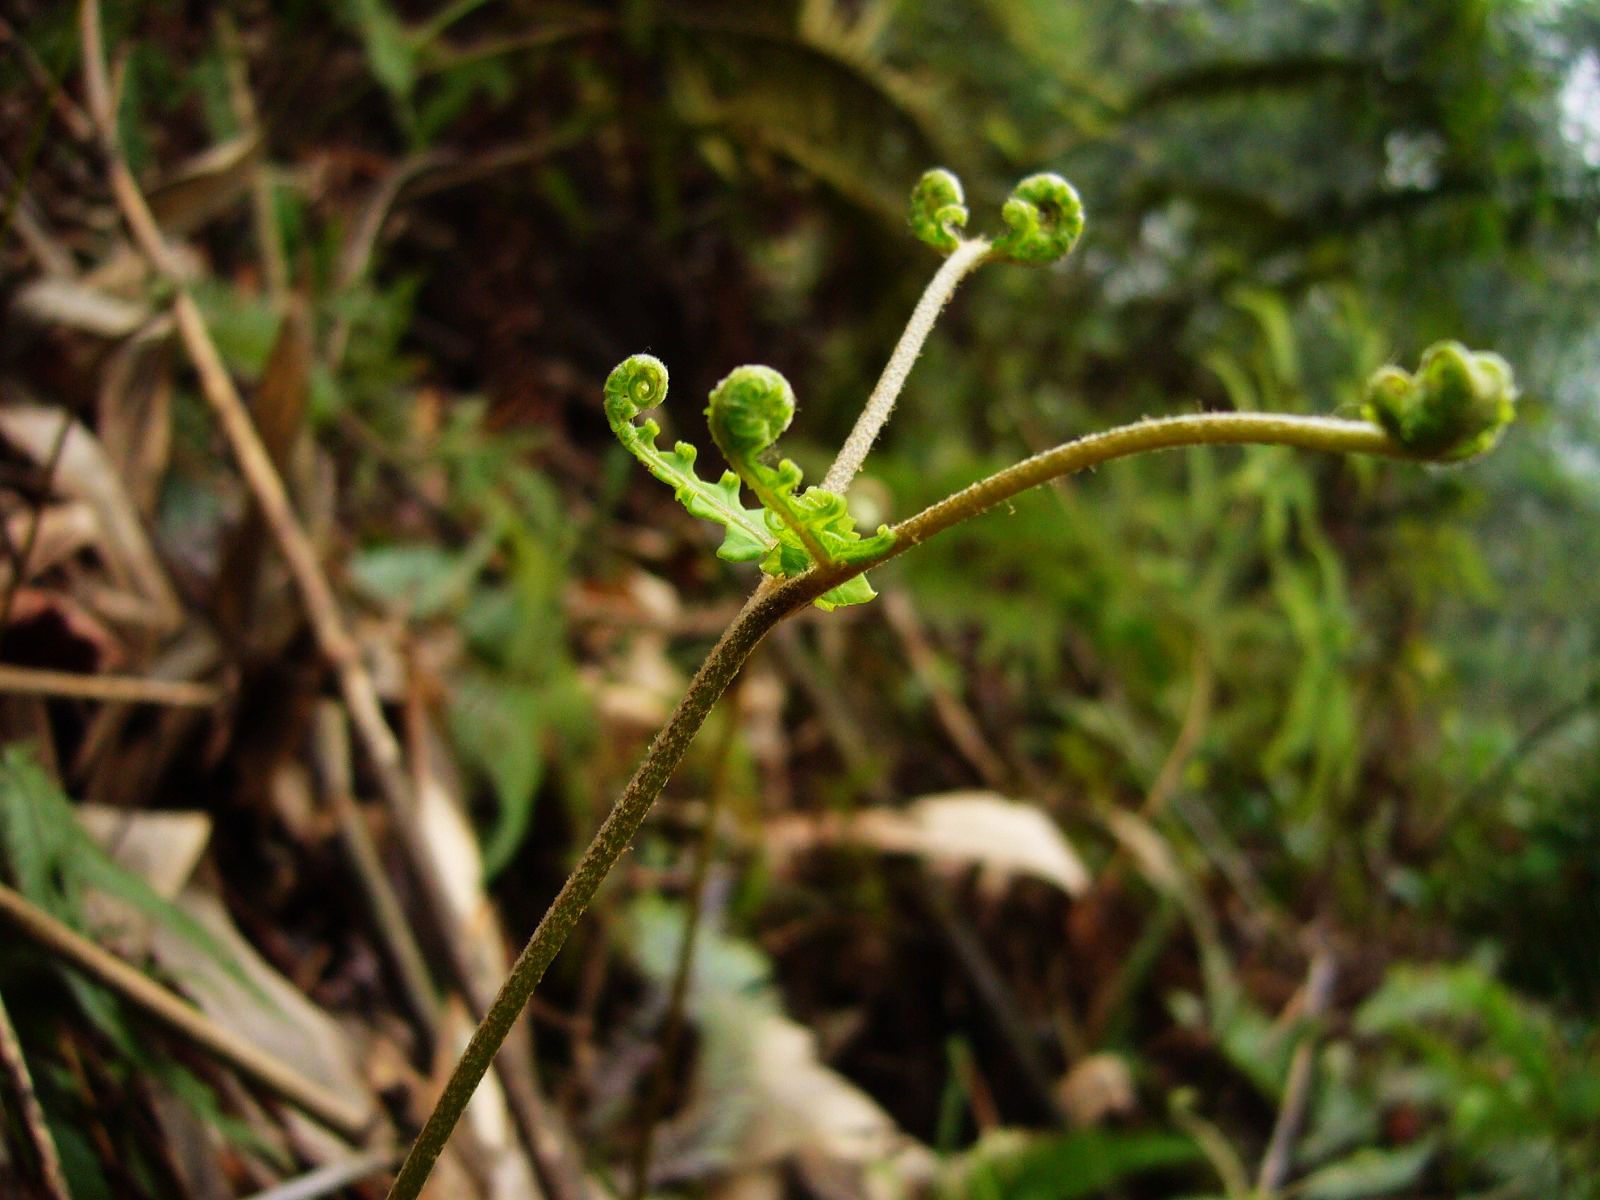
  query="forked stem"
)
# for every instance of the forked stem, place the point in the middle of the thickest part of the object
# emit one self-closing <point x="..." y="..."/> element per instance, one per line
<point x="771" y="602"/>
<point x="963" y="260"/>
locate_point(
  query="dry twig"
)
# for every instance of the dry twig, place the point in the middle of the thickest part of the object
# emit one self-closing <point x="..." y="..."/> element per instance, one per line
<point x="1317" y="994"/>
<point x="331" y="750"/>
<point x="337" y="645"/>
<point x="33" y="1123"/>
<point x="272" y="1074"/>
<point x="116" y="689"/>
<point x="966" y="735"/>
<point x="331" y="1178"/>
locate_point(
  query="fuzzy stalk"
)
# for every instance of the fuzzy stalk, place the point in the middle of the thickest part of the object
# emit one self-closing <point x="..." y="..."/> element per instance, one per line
<point x="963" y="260"/>
<point x="764" y="610"/>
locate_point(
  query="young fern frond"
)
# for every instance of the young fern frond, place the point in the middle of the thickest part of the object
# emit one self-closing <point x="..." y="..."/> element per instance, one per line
<point x="638" y="384"/>
<point x="749" y="409"/>
<point x="748" y="412"/>
<point x="1045" y="219"/>
<point x="1453" y="408"/>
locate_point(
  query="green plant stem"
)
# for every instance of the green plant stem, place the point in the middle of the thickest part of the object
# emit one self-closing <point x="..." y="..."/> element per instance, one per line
<point x="963" y="260"/>
<point x="776" y="502"/>
<point x="771" y="602"/>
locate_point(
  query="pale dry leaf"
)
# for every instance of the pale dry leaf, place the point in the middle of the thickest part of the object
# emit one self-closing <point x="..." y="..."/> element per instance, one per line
<point x="761" y="1095"/>
<point x="85" y="472"/>
<point x="1097" y="1087"/>
<point x="56" y="301"/>
<point x="205" y="185"/>
<point x="162" y="848"/>
<point x="134" y="415"/>
<point x="636" y="687"/>
<point x="63" y="530"/>
<point x="267" y="1011"/>
<point x="1004" y="838"/>
<point x="228" y="980"/>
<point x="1155" y="859"/>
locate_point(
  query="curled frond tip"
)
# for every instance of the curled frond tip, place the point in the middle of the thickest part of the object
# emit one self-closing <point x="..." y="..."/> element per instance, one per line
<point x="1044" y="217"/>
<point x="637" y="383"/>
<point x="938" y="210"/>
<point x="1453" y="407"/>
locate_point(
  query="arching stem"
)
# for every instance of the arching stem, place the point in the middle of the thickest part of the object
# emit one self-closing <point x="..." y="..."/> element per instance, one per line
<point x="773" y="601"/>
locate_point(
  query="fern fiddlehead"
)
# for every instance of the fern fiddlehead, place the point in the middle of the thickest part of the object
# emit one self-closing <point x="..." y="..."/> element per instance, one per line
<point x="938" y="210"/>
<point x="749" y="410"/>
<point x="1044" y="217"/>
<point x="639" y="383"/>
<point x="792" y="531"/>
<point x="1452" y="408"/>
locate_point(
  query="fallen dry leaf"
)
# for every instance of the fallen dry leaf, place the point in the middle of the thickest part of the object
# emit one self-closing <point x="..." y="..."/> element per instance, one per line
<point x="85" y="472"/>
<point x="1004" y="838"/>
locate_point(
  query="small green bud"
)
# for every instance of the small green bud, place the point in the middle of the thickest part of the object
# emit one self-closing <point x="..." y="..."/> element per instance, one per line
<point x="749" y="410"/>
<point x="1453" y="407"/>
<point x="1045" y="217"/>
<point x="938" y="210"/>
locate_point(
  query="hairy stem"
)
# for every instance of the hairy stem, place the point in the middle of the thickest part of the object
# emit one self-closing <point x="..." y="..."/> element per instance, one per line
<point x="963" y="260"/>
<point x="773" y="601"/>
<point x="765" y="608"/>
<point x="1331" y="435"/>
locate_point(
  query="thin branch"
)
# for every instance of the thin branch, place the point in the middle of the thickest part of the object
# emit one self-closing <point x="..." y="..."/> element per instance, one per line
<point x="1332" y="435"/>
<point x="331" y="752"/>
<point x="1297" y="1087"/>
<point x="272" y="1074"/>
<point x="15" y="1068"/>
<point x="116" y="689"/>
<point x="965" y="259"/>
<point x="326" y="1180"/>
<point x="959" y="722"/>
<point x="274" y="263"/>
<point x="334" y="640"/>
<point x="1195" y="716"/>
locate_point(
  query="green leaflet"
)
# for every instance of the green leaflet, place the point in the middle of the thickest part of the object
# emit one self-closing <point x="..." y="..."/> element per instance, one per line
<point x="748" y="411"/>
<point x="640" y="383"/>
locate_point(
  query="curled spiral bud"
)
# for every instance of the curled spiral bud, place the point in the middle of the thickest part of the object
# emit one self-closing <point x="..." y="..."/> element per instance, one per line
<point x="749" y="410"/>
<point x="1045" y="218"/>
<point x="1453" y="407"/>
<point x="634" y="385"/>
<point x="938" y="210"/>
